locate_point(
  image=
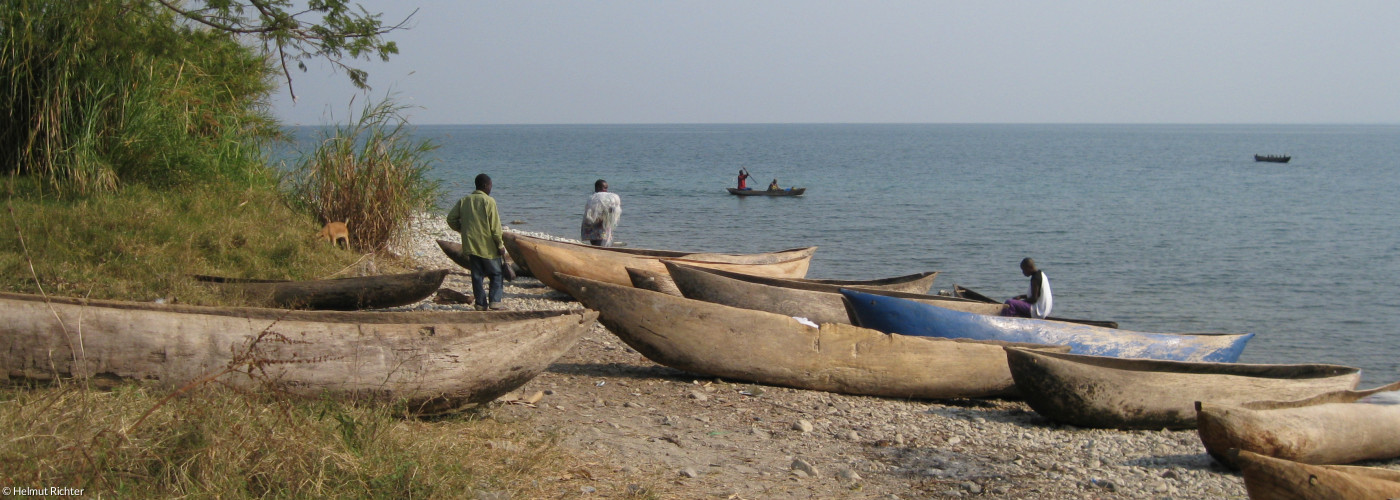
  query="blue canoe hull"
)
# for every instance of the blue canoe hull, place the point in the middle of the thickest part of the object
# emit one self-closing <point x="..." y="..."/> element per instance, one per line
<point x="906" y="317"/>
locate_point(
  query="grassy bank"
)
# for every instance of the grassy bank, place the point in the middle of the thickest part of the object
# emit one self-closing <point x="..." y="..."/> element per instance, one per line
<point x="142" y="244"/>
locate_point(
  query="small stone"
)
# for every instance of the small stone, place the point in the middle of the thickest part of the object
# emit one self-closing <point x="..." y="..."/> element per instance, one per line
<point x="636" y="490"/>
<point x="493" y="495"/>
<point x="698" y="396"/>
<point x="690" y="472"/>
<point x="588" y="489"/>
<point x="899" y="439"/>
<point x="853" y="436"/>
<point x="802" y="426"/>
<point x="804" y="466"/>
<point x="953" y="441"/>
<point x="848" y="475"/>
<point x="972" y="487"/>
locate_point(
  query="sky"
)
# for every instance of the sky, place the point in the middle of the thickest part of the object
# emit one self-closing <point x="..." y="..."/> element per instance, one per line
<point x="817" y="61"/>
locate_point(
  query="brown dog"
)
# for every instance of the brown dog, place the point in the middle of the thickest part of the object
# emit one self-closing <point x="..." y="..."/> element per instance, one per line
<point x="335" y="232"/>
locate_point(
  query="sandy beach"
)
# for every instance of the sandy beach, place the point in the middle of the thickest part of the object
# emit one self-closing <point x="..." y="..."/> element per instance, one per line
<point x="701" y="437"/>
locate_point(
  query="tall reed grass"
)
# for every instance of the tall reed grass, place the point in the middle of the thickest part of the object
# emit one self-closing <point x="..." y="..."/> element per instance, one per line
<point x="97" y="93"/>
<point x="370" y="174"/>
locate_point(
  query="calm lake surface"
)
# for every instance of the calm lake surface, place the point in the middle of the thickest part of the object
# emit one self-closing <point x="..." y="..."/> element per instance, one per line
<point x="1163" y="228"/>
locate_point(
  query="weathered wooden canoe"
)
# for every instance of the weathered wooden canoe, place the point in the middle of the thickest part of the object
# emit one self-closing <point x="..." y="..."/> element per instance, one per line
<point x="433" y="362"/>
<point x="899" y="315"/>
<point x="765" y="192"/>
<point x="545" y="258"/>
<point x="1097" y="391"/>
<point x="454" y="251"/>
<point x="1273" y="158"/>
<point x="965" y="293"/>
<point x="721" y="341"/>
<point x="1331" y="428"/>
<point x="654" y="281"/>
<point x="818" y="302"/>
<point x="339" y="294"/>
<point x="1268" y="478"/>
<point x="917" y="283"/>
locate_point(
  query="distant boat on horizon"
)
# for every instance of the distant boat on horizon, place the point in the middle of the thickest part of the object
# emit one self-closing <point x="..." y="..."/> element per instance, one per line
<point x="1273" y="158"/>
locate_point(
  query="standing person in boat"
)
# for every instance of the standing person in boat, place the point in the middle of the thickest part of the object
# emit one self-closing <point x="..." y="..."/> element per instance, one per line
<point x="476" y="218"/>
<point x="1038" y="302"/>
<point x="600" y="215"/>
<point x="743" y="179"/>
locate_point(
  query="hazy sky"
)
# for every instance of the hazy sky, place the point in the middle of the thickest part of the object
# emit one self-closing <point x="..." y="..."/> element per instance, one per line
<point x="805" y="61"/>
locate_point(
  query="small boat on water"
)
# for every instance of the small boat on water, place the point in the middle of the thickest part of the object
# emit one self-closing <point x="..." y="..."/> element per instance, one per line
<point x="339" y="294"/>
<point x="1268" y="478"/>
<point x="818" y="302"/>
<point x="1273" y="158"/>
<point x="899" y="315"/>
<point x="742" y="344"/>
<point x="431" y="362"/>
<point x="765" y="192"/>
<point x="1333" y="428"/>
<point x="546" y="257"/>
<point x="1118" y="393"/>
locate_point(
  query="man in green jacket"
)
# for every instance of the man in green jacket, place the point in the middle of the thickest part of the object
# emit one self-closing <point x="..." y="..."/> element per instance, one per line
<point x="475" y="216"/>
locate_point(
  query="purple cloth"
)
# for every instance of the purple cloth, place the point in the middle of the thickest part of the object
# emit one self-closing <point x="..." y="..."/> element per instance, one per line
<point x="1017" y="308"/>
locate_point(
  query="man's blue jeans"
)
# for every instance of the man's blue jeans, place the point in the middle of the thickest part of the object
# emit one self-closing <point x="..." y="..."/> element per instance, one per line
<point x="482" y="268"/>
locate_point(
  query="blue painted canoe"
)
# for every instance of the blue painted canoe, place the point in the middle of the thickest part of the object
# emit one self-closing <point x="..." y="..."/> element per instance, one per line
<point x="907" y="317"/>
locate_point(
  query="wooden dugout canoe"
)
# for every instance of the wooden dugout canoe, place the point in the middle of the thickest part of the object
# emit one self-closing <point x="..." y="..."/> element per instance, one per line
<point x="1331" y="428"/>
<point x="917" y="283"/>
<point x="899" y="315"/>
<point x="1268" y="478"/>
<point x="339" y="294"/>
<point x="545" y="258"/>
<point x="1118" y="393"/>
<point x="765" y="192"/>
<point x="965" y="293"/>
<point x="454" y="252"/>
<point x="434" y="362"/>
<point x="818" y="302"/>
<point x="742" y="344"/>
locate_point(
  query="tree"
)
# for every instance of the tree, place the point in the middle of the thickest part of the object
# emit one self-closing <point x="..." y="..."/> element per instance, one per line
<point x="329" y="29"/>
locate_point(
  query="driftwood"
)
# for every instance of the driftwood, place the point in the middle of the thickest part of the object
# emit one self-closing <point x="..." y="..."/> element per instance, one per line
<point x="1097" y="391"/>
<point x="340" y="294"/>
<point x="721" y="341"/>
<point x="818" y="302"/>
<point x="1268" y="478"/>
<point x="433" y="362"/>
<point x="545" y="257"/>
<point x="1331" y="428"/>
<point x="897" y="315"/>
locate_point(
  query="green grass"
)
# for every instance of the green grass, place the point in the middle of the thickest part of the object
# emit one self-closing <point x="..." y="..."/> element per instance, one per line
<point x="142" y="244"/>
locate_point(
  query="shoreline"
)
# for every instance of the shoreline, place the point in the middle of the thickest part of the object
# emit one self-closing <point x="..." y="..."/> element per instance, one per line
<point x="705" y="437"/>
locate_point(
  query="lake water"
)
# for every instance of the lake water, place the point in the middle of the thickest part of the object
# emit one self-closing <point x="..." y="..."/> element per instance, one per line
<point x="1163" y="228"/>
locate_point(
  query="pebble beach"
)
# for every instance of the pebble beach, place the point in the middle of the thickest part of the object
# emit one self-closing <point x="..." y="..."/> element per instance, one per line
<point x="695" y="437"/>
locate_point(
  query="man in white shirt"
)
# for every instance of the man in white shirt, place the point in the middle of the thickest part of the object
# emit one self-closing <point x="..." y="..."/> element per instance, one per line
<point x="600" y="215"/>
<point x="1038" y="302"/>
